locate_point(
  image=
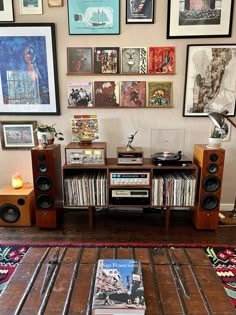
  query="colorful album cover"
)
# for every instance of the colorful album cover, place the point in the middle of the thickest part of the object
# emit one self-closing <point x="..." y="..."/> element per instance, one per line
<point x="80" y="94"/>
<point x="79" y="60"/>
<point x="134" y="60"/>
<point x="106" y="59"/>
<point x="160" y="94"/>
<point x="161" y="60"/>
<point x="106" y="93"/>
<point x="133" y="93"/>
<point x="84" y="128"/>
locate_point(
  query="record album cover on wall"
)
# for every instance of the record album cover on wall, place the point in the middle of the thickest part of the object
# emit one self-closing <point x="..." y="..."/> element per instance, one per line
<point x="161" y="60"/>
<point x="106" y="59"/>
<point x="160" y="94"/>
<point x="106" y="93"/>
<point x="80" y="94"/>
<point x="133" y="93"/>
<point x="79" y="60"/>
<point x="134" y="60"/>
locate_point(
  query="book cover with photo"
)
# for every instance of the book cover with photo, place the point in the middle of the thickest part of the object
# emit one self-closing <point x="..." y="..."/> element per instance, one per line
<point x="161" y="60"/>
<point x="118" y="287"/>
<point x="133" y="93"/>
<point x="106" y="93"/>
<point x="80" y="94"/>
<point x="134" y="60"/>
<point x="106" y="59"/>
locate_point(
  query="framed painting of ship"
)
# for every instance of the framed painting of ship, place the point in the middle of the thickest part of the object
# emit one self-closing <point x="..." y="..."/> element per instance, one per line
<point x="87" y="17"/>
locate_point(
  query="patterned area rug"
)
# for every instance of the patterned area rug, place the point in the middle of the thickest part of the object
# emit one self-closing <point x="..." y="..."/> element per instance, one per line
<point x="222" y="257"/>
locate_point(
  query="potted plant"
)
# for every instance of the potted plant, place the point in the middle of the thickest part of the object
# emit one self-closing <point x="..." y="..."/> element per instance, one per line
<point x="215" y="138"/>
<point x="49" y="133"/>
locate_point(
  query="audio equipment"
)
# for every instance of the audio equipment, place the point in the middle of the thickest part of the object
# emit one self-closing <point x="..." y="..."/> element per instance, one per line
<point x="86" y="154"/>
<point x="129" y="157"/>
<point x="130" y="196"/>
<point x="131" y="178"/>
<point x="211" y="166"/>
<point x="17" y="206"/>
<point x="47" y="174"/>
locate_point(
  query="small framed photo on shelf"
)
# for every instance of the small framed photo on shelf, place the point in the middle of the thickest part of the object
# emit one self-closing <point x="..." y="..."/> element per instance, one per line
<point x="160" y="94"/>
<point x="55" y="3"/>
<point x="133" y="93"/>
<point x="79" y="60"/>
<point x="134" y="60"/>
<point x="31" y="7"/>
<point x="106" y="93"/>
<point x="80" y="94"/>
<point x="18" y="134"/>
<point x="210" y="84"/>
<point x="6" y="11"/>
<point x="161" y="60"/>
<point x="94" y="17"/>
<point x="106" y="60"/>
<point x="139" y="11"/>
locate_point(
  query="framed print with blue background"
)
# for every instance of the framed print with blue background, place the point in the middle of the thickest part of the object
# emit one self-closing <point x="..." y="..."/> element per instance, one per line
<point x="28" y="69"/>
<point x="86" y="17"/>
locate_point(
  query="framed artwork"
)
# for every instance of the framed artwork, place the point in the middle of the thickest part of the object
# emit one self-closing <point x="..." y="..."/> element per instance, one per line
<point x="31" y="7"/>
<point x="139" y="11"/>
<point x="210" y="79"/>
<point x="6" y="11"/>
<point x="55" y="3"/>
<point x="134" y="60"/>
<point x="18" y="134"/>
<point x="106" y="93"/>
<point x="161" y="60"/>
<point x="88" y="17"/>
<point x="133" y="93"/>
<point x="160" y="94"/>
<point x="189" y="19"/>
<point x="80" y="94"/>
<point x="106" y="59"/>
<point x="79" y="60"/>
<point x="28" y="72"/>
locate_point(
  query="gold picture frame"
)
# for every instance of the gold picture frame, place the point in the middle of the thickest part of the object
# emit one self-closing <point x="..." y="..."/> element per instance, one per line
<point x="55" y="3"/>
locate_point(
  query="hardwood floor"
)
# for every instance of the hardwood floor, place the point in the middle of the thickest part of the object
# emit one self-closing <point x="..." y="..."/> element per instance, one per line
<point x="122" y="226"/>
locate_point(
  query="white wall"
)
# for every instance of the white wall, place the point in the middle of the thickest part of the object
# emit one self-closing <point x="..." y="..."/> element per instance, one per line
<point x="117" y="124"/>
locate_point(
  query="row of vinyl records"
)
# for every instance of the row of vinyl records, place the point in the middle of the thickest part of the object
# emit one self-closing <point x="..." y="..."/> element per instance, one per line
<point x="173" y="189"/>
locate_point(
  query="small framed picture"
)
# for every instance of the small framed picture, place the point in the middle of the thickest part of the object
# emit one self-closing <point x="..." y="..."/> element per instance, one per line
<point x="133" y="93"/>
<point x="31" y="7"/>
<point x="106" y="59"/>
<point x="80" y="94"/>
<point x="139" y="11"/>
<point x="160" y="94"/>
<point x="161" y="60"/>
<point x="55" y="3"/>
<point x="79" y="60"/>
<point x="134" y="60"/>
<point x="18" y="134"/>
<point x="6" y="11"/>
<point x="106" y="93"/>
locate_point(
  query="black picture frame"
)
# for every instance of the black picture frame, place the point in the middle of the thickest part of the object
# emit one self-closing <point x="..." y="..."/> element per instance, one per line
<point x="210" y="84"/>
<point x="140" y="12"/>
<point x="184" y="21"/>
<point x="29" y="80"/>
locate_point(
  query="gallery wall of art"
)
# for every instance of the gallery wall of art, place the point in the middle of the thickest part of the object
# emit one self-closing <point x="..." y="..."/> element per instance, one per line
<point x="117" y="123"/>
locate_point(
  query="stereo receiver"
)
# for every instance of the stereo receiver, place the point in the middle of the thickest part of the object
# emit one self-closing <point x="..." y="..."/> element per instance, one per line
<point x="130" y="178"/>
<point x="86" y="154"/>
<point x="130" y="196"/>
<point x="129" y="157"/>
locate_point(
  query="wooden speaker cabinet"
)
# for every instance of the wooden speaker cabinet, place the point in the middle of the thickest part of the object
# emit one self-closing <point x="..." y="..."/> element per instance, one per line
<point x="47" y="174"/>
<point x="17" y="206"/>
<point x="211" y="167"/>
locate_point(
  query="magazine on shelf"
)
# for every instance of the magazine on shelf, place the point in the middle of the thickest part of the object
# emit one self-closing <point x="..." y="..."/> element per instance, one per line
<point x="118" y="288"/>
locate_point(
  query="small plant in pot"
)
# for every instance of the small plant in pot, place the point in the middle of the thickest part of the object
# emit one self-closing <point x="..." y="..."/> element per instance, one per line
<point x="47" y="133"/>
<point x="215" y="138"/>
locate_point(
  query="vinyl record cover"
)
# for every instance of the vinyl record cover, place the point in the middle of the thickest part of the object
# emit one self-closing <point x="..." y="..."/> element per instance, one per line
<point x="134" y="60"/>
<point x="106" y="93"/>
<point x="161" y="60"/>
<point x="106" y="59"/>
<point x="133" y="93"/>
<point x="80" y="94"/>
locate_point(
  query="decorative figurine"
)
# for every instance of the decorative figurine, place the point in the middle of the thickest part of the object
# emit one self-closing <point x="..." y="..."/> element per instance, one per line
<point x="130" y="140"/>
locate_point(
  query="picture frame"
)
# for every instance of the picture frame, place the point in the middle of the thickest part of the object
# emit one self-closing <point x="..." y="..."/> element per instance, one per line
<point x="55" y="3"/>
<point x="161" y="60"/>
<point x="6" y="11"/>
<point x="80" y="94"/>
<point x="79" y="60"/>
<point x="29" y="84"/>
<point x="194" y="20"/>
<point x="94" y="18"/>
<point x="210" y="84"/>
<point x="141" y="11"/>
<point x="133" y="94"/>
<point x="134" y="60"/>
<point x="106" y="60"/>
<point x="31" y="7"/>
<point x="160" y="94"/>
<point x="18" y="135"/>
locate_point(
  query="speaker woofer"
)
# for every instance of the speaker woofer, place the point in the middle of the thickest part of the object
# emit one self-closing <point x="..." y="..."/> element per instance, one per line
<point x="43" y="183"/>
<point x="211" y="183"/>
<point x="209" y="202"/>
<point x="9" y="213"/>
<point x="212" y="168"/>
<point x="44" y="201"/>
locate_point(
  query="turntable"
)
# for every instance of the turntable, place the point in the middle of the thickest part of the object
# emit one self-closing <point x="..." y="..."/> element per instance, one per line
<point x="169" y="158"/>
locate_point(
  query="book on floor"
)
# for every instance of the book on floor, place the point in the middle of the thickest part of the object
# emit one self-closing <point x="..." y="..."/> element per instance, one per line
<point x="118" y="288"/>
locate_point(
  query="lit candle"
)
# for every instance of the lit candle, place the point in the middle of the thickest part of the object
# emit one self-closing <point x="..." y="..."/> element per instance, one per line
<point x="16" y="181"/>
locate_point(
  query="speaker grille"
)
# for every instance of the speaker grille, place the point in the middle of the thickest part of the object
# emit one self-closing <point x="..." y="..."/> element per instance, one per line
<point x="211" y="183"/>
<point x="43" y="183"/>
<point x="9" y="213"/>
<point x="209" y="202"/>
<point x="44" y="201"/>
